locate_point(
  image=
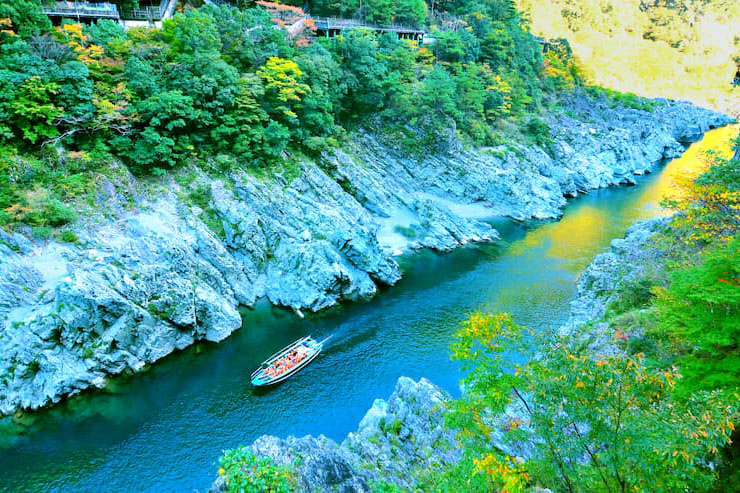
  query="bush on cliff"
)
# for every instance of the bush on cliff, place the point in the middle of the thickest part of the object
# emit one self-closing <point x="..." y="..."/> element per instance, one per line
<point x="243" y="472"/>
<point x="701" y="312"/>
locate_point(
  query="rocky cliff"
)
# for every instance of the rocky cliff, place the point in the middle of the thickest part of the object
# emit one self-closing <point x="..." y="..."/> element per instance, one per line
<point x="150" y="281"/>
<point x="624" y="261"/>
<point x="395" y="441"/>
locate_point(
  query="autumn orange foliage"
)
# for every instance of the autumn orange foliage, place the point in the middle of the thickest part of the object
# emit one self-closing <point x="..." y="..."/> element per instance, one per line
<point x="299" y="25"/>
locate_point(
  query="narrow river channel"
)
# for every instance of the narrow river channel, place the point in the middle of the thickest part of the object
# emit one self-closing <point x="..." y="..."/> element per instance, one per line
<point x="164" y="430"/>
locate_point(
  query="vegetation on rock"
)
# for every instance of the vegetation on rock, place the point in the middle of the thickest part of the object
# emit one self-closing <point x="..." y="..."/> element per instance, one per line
<point x="242" y="472"/>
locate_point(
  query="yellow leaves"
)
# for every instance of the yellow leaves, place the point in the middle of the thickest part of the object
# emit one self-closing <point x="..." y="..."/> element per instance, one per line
<point x="484" y="329"/>
<point x="580" y="385"/>
<point x="95" y="51"/>
<point x="507" y="476"/>
<point x="74" y="31"/>
<point x="78" y="42"/>
<point x="6" y="26"/>
<point x="281" y="78"/>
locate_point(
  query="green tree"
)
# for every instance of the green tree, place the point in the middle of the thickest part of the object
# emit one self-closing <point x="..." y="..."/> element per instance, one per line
<point x="448" y="47"/>
<point x="436" y="97"/>
<point x="75" y="90"/>
<point x="35" y="111"/>
<point x="247" y="37"/>
<point x="26" y="15"/>
<point x="701" y="308"/>
<point x="283" y="88"/>
<point x="363" y="72"/>
<point x="194" y="32"/>
<point x="248" y="120"/>
<point x="140" y="76"/>
<point x="209" y="81"/>
<point x="377" y="11"/>
<point x="606" y="424"/>
<point x="317" y="111"/>
<point x="164" y="142"/>
<point x="410" y="12"/>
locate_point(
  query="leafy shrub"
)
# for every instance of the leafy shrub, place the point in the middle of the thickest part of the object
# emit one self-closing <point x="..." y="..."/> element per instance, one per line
<point x="69" y="236"/>
<point x="201" y="196"/>
<point x="631" y="295"/>
<point x="539" y="131"/>
<point x="52" y="213"/>
<point x="42" y="232"/>
<point x="702" y="308"/>
<point x="243" y="472"/>
<point x="394" y="427"/>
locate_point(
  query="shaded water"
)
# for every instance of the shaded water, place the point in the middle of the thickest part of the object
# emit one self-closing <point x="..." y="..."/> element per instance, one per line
<point x="164" y="430"/>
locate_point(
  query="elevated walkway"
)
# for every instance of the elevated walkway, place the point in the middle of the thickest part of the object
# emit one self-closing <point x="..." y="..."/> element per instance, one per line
<point x="80" y="10"/>
<point x="150" y="14"/>
<point x="332" y="26"/>
<point x="147" y="16"/>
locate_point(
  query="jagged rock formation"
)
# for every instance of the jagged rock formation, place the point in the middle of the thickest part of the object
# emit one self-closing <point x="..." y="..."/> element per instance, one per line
<point x="394" y="441"/>
<point x="157" y="279"/>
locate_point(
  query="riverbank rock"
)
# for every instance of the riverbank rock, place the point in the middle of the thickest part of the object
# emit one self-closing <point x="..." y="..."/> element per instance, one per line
<point x="143" y="283"/>
<point x="394" y="441"/>
<point x="626" y="260"/>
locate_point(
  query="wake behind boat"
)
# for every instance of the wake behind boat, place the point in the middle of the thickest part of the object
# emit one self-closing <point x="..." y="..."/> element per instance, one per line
<point x="287" y="362"/>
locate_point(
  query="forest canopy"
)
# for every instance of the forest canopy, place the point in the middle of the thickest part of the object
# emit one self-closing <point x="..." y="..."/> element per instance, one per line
<point x="224" y="80"/>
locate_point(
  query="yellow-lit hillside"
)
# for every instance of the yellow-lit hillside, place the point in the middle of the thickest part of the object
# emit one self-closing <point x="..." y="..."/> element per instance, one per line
<point x="682" y="49"/>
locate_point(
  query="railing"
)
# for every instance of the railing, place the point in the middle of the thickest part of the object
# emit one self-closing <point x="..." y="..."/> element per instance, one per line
<point x="79" y="9"/>
<point x="147" y="13"/>
<point x="326" y="23"/>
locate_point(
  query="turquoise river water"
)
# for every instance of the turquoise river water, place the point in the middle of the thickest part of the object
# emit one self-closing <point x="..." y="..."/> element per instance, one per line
<point x="164" y="429"/>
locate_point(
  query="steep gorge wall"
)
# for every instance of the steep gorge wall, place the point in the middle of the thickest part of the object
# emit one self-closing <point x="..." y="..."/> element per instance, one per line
<point x="156" y="280"/>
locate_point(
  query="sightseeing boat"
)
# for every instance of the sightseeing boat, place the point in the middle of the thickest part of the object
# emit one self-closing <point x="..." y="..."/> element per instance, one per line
<point x="287" y="362"/>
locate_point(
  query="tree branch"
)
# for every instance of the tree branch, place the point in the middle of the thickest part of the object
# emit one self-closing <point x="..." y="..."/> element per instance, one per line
<point x="553" y="450"/>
